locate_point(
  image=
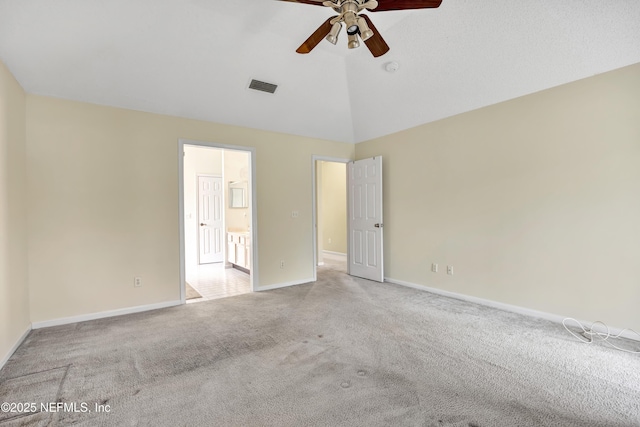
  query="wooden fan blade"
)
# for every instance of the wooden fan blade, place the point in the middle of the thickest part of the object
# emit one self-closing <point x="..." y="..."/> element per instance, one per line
<point x="313" y="2"/>
<point x="406" y="4"/>
<point x="375" y="43"/>
<point x="316" y="37"/>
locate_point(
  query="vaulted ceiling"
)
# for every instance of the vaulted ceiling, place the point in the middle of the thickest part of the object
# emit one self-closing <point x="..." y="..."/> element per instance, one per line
<point x="195" y="58"/>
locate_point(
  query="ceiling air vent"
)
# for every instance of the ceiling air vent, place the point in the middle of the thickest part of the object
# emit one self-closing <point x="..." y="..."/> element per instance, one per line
<point x="262" y="86"/>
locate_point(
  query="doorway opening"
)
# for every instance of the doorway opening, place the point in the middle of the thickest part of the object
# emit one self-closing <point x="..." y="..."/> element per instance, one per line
<point x="330" y="214"/>
<point x="218" y="250"/>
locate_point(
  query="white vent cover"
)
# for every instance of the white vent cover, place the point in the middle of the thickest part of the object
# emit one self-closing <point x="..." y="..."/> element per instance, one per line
<point x="263" y="86"/>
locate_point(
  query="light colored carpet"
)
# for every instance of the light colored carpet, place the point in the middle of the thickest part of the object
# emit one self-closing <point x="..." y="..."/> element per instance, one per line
<point x="337" y="352"/>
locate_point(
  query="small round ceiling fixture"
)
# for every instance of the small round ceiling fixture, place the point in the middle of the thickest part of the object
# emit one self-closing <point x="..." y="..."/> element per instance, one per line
<point x="392" y="67"/>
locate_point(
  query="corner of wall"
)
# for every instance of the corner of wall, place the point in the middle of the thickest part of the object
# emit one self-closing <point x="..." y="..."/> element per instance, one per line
<point x="15" y="319"/>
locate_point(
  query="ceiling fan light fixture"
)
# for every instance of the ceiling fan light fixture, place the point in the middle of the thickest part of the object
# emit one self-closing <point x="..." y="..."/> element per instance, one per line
<point x="333" y="34"/>
<point x="353" y="41"/>
<point x="365" y="31"/>
<point x="351" y="21"/>
<point x="358" y="26"/>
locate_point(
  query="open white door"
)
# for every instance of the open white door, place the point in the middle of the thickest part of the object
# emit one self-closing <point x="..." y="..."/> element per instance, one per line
<point x="364" y="178"/>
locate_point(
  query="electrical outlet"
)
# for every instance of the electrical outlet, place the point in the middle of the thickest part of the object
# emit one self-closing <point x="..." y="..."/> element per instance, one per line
<point x="434" y="267"/>
<point x="137" y="282"/>
<point x="329" y="239"/>
<point x="295" y="214"/>
<point x="450" y="270"/>
<point x="282" y="264"/>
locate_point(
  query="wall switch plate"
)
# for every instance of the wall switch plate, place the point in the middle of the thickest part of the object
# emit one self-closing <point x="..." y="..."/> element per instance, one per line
<point x="450" y="270"/>
<point x="137" y="282"/>
<point x="434" y="267"/>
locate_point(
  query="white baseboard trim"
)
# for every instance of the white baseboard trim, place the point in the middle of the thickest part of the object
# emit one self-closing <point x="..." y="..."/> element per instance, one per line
<point x="334" y="253"/>
<point x="284" y="285"/>
<point x="506" y="307"/>
<point x="13" y="349"/>
<point x="103" y="314"/>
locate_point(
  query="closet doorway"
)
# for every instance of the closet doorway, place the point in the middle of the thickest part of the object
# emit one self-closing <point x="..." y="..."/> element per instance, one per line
<point x="330" y="214"/>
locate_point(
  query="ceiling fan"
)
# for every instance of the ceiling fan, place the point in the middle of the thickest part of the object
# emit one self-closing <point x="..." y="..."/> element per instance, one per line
<point x="357" y="24"/>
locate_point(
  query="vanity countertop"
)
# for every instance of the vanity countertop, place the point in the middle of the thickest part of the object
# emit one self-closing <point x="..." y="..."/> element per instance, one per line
<point x="238" y="231"/>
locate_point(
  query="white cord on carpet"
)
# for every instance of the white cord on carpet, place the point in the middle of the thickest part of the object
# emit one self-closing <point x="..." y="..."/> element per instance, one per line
<point x="589" y="334"/>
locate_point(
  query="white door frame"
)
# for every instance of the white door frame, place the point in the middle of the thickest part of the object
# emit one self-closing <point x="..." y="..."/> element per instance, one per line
<point x="253" y="204"/>
<point x="314" y="207"/>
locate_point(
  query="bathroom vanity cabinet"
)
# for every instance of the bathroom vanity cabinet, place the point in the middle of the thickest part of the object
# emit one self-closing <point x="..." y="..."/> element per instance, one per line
<point x="239" y="250"/>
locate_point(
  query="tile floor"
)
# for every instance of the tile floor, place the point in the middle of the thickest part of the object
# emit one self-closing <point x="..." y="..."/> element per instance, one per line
<point x="214" y="281"/>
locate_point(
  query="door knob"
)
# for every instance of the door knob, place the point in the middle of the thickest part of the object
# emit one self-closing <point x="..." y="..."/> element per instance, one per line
<point x="202" y="224"/>
<point x="378" y="225"/>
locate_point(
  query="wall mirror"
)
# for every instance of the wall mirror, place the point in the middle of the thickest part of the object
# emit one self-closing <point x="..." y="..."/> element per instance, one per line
<point x="238" y="194"/>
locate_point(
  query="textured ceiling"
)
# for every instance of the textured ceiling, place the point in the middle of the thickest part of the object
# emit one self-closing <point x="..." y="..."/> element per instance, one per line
<point x="195" y="58"/>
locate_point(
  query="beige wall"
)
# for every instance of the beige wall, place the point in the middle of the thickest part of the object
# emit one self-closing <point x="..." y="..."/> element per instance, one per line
<point x="14" y="292"/>
<point x="333" y="209"/>
<point x="197" y="161"/>
<point x="534" y="201"/>
<point x="237" y="168"/>
<point x="103" y="204"/>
